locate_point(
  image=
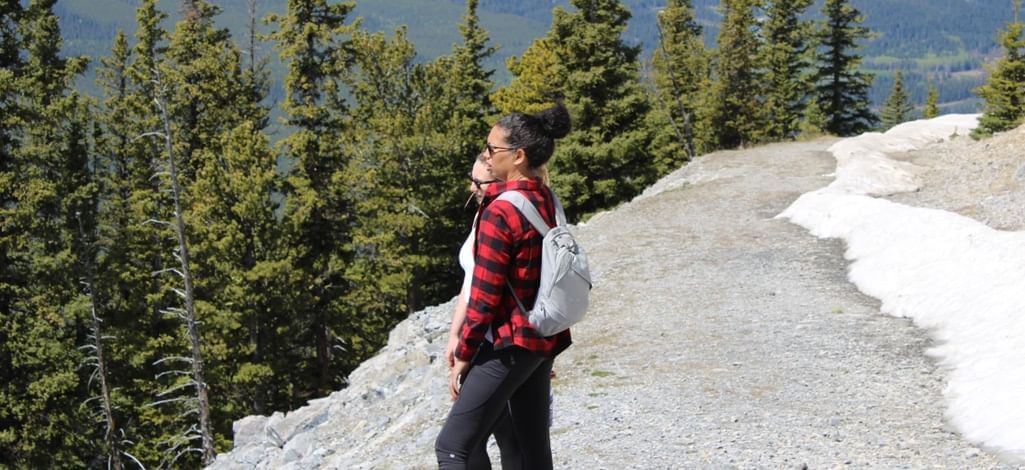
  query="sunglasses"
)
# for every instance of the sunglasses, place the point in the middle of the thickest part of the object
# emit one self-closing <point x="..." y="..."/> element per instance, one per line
<point x="478" y="183"/>
<point x="492" y="149"/>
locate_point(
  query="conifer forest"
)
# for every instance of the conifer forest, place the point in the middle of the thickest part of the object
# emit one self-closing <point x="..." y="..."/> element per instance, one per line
<point x="178" y="250"/>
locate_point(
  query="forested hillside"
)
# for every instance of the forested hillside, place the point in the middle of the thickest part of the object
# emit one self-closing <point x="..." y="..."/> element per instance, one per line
<point x="945" y="40"/>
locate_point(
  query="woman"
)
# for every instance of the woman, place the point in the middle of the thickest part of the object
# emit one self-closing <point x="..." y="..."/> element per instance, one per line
<point x="480" y="179"/>
<point x="515" y="368"/>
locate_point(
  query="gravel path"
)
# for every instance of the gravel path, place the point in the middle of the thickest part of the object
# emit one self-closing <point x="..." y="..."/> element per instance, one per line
<point x="720" y="337"/>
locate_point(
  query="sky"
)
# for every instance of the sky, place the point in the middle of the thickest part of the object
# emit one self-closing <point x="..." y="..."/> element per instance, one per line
<point x="956" y="278"/>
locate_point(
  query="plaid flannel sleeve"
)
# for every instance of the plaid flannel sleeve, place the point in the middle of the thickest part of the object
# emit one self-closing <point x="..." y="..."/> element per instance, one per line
<point x="494" y="247"/>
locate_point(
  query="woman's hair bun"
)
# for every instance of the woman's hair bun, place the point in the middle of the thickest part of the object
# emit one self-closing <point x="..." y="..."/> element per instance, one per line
<point x="555" y="121"/>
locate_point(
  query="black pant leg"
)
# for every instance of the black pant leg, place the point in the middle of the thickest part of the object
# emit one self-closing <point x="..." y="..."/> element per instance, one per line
<point x="485" y="393"/>
<point x="529" y="409"/>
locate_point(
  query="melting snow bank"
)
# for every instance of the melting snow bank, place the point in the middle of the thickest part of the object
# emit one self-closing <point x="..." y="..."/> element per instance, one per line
<point x="954" y="276"/>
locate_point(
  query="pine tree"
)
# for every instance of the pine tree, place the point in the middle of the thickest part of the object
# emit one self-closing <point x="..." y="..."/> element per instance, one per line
<point x="681" y="76"/>
<point x="239" y="245"/>
<point x="932" y="99"/>
<point x="538" y="76"/>
<point x="256" y="75"/>
<point x="897" y="108"/>
<point x="737" y="110"/>
<point x="192" y="374"/>
<point x="109" y="287"/>
<point x="1003" y="92"/>
<point x="10" y="68"/>
<point x="840" y="89"/>
<point x="786" y="58"/>
<point x="313" y="42"/>
<point x="13" y="265"/>
<point x="136" y="247"/>
<point x="393" y="157"/>
<point x="47" y="186"/>
<point x="452" y="121"/>
<point x="605" y="158"/>
<point x="202" y="69"/>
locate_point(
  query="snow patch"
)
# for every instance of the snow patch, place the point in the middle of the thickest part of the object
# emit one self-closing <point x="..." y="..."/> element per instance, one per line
<point x="952" y="275"/>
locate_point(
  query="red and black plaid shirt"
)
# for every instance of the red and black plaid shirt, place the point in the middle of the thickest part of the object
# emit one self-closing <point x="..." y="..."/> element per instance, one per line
<point x="508" y="248"/>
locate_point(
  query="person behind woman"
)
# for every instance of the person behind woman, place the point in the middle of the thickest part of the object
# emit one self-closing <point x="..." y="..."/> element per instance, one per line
<point x="515" y="368"/>
<point x="480" y="179"/>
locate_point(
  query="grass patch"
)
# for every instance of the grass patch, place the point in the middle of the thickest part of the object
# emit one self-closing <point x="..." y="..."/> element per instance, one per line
<point x="601" y="373"/>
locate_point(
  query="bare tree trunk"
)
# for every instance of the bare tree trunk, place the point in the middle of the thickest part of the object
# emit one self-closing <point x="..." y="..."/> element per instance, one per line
<point x="109" y="435"/>
<point x="190" y="311"/>
<point x="252" y="38"/>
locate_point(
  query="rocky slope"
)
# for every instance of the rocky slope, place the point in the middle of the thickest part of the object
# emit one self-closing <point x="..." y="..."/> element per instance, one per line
<point x="719" y="337"/>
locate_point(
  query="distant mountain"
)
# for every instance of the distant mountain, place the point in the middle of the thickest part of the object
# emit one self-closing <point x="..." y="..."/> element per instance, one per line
<point x="947" y="40"/>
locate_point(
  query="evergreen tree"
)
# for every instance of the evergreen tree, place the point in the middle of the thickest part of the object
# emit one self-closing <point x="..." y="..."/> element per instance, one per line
<point x="239" y="244"/>
<point x="605" y="159"/>
<point x="192" y="375"/>
<point x="1003" y="92"/>
<point x="538" y="76"/>
<point x="136" y="248"/>
<point x="681" y="76"/>
<point x="786" y="58"/>
<point x="256" y="75"/>
<point x="394" y="162"/>
<point x="13" y="265"/>
<point x="897" y="108"/>
<point x="452" y="122"/>
<point x="47" y="187"/>
<point x="840" y="89"/>
<point x="814" y="122"/>
<point x="737" y="115"/>
<point x="111" y="289"/>
<point x="207" y="93"/>
<point x="932" y="99"/>
<point x="313" y="42"/>
<point x="10" y="69"/>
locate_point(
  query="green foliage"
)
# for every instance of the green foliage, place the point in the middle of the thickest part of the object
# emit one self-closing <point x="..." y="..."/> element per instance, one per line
<point x="840" y="89"/>
<point x="786" y="59"/>
<point x="736" y="106"/>
<point x="605" y="159"/>
<point x="313" y="40"/>
<point x="681" y="75"/>
<point x="384" y="178"/>
<point x="539" y="75"/>
<point x="1003" y="92"/>
<point x="932" y="108"/>
<point x="47" y="187"/>
<point x="897" y="108"/>
<point x="813" y="124"/>
<point x="241" y="262"/>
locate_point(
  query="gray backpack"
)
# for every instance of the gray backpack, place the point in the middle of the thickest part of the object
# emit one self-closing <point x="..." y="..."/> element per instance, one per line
<point x="565" y="277"/>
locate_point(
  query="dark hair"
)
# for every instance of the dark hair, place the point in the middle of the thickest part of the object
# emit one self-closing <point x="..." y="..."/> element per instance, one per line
<point x="536" y="133"/>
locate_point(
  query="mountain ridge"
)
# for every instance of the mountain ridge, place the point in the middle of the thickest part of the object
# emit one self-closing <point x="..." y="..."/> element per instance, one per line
<point x="922" y="37"/>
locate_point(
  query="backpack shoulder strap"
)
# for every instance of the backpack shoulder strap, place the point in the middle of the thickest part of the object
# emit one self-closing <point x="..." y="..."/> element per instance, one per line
<point x="560" y="214"/>
<point x="521" y="203"/>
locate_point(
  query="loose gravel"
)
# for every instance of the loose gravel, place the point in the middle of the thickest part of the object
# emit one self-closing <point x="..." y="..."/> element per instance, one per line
<point x="718" y="337"/>
<point x="723" y="338"/>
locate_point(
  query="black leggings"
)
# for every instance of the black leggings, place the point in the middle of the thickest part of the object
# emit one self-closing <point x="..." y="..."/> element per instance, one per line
<point x="514" y="379"/>
<point x="505" y="437"/>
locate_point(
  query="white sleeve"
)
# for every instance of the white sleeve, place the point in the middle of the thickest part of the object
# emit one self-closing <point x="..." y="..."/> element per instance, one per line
<point x="466" y="261"/>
